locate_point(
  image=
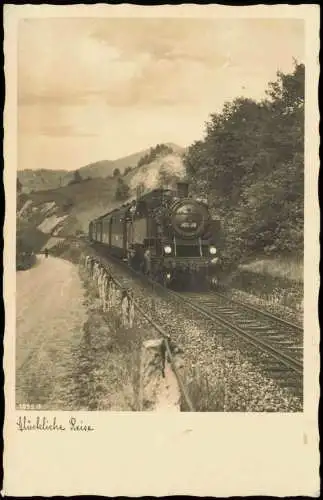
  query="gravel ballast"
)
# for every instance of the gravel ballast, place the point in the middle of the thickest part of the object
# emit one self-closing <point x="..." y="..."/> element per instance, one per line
<point x="218" y="371"/>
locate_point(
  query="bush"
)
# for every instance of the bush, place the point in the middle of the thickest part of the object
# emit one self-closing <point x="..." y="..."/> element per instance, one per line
<point x="77" y="179"/>
<point x="127" y="170"/>
<point x="25" y="261"/>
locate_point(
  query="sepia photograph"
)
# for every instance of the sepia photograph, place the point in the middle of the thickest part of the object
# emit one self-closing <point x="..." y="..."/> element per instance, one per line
<point x="161" y="172"/>
<point x="160" y="213"/>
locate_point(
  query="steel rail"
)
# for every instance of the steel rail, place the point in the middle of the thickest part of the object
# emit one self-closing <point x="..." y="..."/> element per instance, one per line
<point x="288" y="361"/>
<point x="260" y="311"/>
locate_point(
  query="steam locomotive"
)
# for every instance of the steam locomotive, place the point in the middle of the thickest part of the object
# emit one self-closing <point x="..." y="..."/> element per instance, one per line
<point x="164" y="233"/>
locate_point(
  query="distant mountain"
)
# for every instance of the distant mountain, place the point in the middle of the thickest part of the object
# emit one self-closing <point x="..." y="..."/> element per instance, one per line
<point x="43" y="179"/>
<point x="39" y="180"/>
<point x="105" y="168"/>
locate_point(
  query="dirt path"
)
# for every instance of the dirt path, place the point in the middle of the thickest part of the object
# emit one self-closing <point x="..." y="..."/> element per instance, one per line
<point x="50" y="318"/>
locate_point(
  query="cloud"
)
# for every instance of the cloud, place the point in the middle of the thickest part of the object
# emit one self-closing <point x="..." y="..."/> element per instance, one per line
<point x="64" y="66"/>
<point x="63" y="131"/>
<point x="52" y="121"/>
<point x="124" y="84"/>
<point x="140" y="62"/>
<point x="58" y="97"/>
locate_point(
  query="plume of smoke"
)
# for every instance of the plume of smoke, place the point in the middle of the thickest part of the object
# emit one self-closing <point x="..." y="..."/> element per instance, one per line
<point x="149" y="175"/>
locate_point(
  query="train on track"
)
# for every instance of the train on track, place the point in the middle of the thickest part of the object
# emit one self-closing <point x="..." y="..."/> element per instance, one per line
<point x="165" y="234"/>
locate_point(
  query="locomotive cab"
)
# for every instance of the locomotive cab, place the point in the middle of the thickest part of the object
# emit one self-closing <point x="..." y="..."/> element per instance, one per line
<point x="182" y="189"/>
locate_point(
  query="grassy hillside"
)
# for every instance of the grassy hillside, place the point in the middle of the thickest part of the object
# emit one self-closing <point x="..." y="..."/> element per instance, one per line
<point x="37" y="180"/>
<point x="132" y="160"/>
<point x="105" y="168"/>
<point x="78" y="202"/>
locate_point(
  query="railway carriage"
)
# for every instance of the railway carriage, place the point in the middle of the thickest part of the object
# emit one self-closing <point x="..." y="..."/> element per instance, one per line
<point x="165" y="233"/>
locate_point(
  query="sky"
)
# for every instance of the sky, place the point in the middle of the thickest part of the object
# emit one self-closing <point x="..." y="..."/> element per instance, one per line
<point x="92" y="89"/>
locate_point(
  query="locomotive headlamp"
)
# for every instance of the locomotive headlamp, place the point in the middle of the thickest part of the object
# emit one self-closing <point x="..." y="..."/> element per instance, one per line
<point x="212" y="250"/>
<point x="168" y="249"/>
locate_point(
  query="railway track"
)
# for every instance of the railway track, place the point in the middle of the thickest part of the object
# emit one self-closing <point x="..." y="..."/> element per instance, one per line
<point x="282" y="339"/>
<point x="279" y="341"/>
<point x="272" y="342"/>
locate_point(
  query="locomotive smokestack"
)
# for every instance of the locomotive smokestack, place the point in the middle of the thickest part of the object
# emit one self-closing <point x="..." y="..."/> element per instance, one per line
<point x="182" y="189"/>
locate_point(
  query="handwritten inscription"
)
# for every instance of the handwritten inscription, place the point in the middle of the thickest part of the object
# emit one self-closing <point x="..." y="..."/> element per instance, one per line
<point x="79" y="426"/>
<point x="52" y="424"/>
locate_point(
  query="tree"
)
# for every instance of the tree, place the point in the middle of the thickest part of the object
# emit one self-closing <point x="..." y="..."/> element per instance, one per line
<point x="154" y="153"/>
<point x="251" y="165"/>
<point x="122" y="191"/>
<point x="127" y="170"/>
<point x="77" y="177"/>
<point x="116" y="172"/>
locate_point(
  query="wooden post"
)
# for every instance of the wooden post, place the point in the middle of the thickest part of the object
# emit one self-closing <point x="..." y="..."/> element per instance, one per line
<point x="109" y="293"/>
<point x="124" y="308"/>
<point x="131" y="309"/>
<point x="113" y="292"/>
<point x="127" y="308"/>
<point x="151" y="370"/>
<point x="105" y="291"/>
<point x="158" y="387"/>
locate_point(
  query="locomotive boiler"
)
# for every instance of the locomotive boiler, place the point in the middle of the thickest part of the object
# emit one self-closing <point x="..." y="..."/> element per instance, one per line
<point x="165" y="233"/>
